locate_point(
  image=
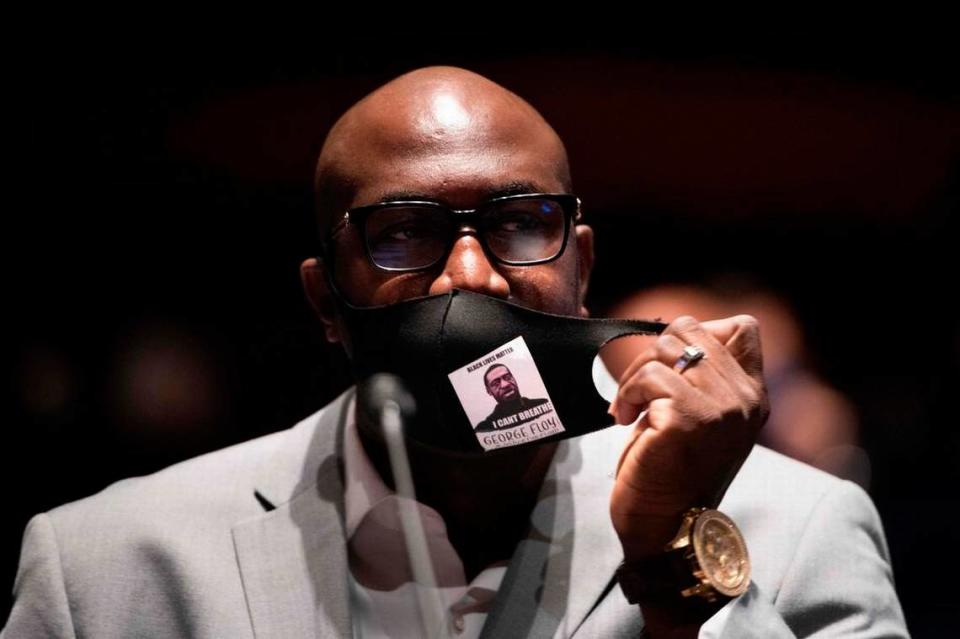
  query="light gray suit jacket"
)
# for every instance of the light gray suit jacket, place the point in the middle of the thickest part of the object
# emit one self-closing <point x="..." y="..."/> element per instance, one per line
<point x="249" y="542"/>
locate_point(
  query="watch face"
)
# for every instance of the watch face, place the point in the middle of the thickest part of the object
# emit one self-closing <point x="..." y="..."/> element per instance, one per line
<point x="721" y="553"/>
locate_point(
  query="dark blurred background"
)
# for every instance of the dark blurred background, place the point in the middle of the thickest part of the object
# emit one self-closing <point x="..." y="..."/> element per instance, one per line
<point x="162" y="206"/>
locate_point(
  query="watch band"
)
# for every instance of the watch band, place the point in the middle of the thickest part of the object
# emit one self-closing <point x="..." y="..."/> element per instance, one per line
<point x="658" y="580"/>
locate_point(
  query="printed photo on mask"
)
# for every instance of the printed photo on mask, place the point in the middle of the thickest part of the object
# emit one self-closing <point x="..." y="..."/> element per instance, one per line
<point x="504" y="397"/>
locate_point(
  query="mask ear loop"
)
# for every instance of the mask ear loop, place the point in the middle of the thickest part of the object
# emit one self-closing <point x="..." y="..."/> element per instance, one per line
<point x="603" y="381"/>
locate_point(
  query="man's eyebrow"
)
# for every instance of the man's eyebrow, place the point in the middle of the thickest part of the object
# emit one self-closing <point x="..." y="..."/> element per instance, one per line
<point x="503" y="190"/>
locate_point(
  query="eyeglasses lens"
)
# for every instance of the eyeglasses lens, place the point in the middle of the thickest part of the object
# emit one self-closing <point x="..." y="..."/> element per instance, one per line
<point x="514" y="231"/>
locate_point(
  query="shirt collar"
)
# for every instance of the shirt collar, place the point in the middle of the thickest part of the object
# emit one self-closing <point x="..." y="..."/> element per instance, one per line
<point x="364" y="489"/>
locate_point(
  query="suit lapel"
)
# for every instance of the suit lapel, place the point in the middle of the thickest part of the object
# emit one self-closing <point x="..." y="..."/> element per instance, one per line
<point x="559" y="574"/>
<point x="292" y="559"/>
<point x="596" y="550"/>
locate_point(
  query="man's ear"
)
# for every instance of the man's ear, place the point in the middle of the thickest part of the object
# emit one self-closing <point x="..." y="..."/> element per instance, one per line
<point x="318" y="294"/>
<point x="584" y="262"/>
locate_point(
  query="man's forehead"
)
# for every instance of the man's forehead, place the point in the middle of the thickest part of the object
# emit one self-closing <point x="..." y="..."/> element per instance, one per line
<point x="440" y="134"/>
<point x="459" y="177"/>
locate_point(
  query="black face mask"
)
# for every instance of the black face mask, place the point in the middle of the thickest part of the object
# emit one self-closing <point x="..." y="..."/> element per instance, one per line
<point x="486" y="374"/>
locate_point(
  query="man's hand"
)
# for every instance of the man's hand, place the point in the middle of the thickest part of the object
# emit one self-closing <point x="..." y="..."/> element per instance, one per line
<point x="700" y="426"/>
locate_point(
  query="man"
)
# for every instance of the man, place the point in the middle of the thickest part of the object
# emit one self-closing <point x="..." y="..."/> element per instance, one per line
<point x="261" y="539"/>
<point x="502" y="386"/>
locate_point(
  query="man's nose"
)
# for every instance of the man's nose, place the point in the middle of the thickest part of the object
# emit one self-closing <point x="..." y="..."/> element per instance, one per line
<point x="468" y="267"/>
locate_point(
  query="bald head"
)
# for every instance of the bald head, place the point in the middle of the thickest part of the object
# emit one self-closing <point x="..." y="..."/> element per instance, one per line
<point x="433" y="123"/>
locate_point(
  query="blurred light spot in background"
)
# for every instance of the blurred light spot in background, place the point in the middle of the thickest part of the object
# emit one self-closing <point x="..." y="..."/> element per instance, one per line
<point x="166" y="381"/>
<point x="47" y="383"/>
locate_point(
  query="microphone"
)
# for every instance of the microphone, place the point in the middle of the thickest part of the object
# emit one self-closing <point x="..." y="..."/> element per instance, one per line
<point x="381" y="388"/>
<point x="385" y="399"/>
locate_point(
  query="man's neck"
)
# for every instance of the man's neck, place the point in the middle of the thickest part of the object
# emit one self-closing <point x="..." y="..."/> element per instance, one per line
<point x="484" y="501"/>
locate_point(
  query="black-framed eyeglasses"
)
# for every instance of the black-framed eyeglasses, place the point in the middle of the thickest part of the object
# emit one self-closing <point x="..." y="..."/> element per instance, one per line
<point x="517" y="230"/>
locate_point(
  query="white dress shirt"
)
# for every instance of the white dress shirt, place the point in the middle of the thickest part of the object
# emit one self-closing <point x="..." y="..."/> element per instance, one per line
<point x="383" y="599"/>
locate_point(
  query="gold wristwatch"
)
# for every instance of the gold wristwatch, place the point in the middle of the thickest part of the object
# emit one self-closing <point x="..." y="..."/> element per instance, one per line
<point x="707" y="560"/>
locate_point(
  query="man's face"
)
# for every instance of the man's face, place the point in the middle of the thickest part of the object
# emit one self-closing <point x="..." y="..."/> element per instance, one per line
<point x="463" y="179"/>
<point x="443" y="150"/>
<point x="501" y="385"/>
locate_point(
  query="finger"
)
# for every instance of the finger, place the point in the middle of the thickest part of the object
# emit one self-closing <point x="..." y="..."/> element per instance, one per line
<point x="640" y="388"/>
<point x="666" y="351"/>
<point x="646" y="355"/>
<point x="692" y="333"/>
<point x="740" y="335"/>
<point x="666" y="348"/>
<point x="742" y="383"/>
<point x="653" y="381"/>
